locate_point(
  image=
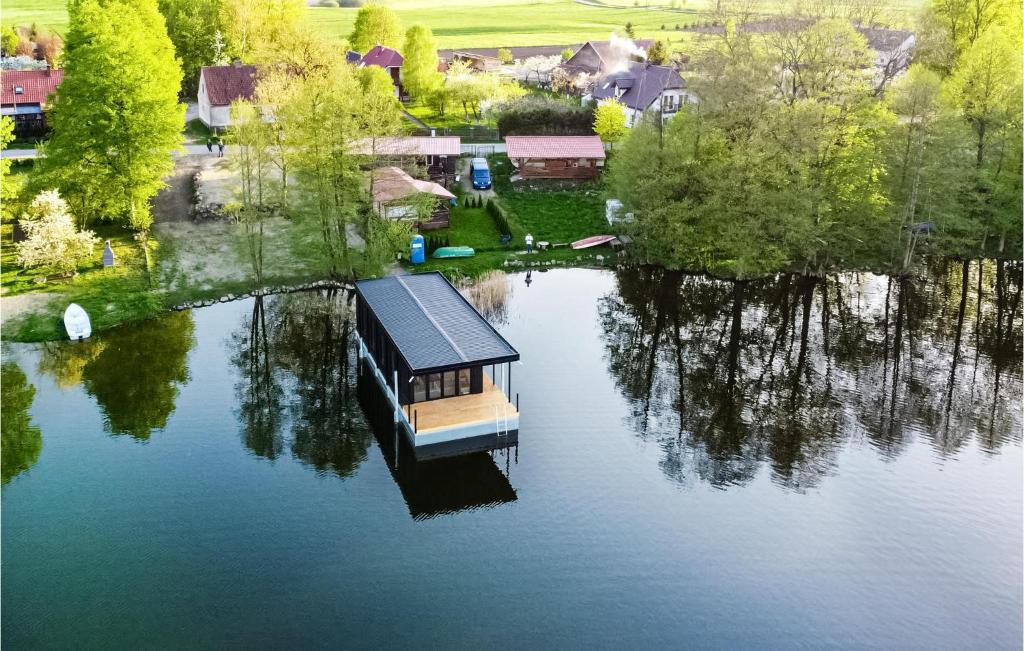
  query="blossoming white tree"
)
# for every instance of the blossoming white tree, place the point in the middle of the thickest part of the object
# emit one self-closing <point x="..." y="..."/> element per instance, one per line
<point x="52" y="239"/>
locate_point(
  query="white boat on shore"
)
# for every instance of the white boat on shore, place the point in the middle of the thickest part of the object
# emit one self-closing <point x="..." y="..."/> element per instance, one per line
<point x="76" y="322"/>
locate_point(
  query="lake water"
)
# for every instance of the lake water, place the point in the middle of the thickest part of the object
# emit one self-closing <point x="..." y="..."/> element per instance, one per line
<point x="770" y="464"/>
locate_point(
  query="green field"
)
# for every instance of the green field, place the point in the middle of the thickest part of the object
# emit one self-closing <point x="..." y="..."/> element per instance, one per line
<point x="462" y="23"/>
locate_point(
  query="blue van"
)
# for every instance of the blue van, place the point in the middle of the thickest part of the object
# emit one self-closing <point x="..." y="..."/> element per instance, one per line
<point x="480" y="174"/>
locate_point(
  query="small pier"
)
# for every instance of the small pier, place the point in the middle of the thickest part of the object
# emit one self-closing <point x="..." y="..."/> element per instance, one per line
<point x="446" y="371"/>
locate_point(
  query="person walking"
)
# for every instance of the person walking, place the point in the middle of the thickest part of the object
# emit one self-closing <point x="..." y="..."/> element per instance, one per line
<point x="529" y="243"/>
<point x="220" y="149"/>
<point x="209" y="145"/>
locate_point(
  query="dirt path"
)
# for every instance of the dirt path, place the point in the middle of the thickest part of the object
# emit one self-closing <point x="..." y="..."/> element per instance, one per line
<point x="14" y="307"/>
<point x="174" y="203"/>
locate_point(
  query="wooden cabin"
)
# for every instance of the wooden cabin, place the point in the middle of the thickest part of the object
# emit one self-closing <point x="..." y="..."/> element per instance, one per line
<point x="446" y="371"/>
<point x="393" y="198"/>
<point x="556" y="157"/>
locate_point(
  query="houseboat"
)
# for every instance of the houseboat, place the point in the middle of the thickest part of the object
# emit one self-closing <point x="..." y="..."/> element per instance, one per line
<point x="445" y="370"/>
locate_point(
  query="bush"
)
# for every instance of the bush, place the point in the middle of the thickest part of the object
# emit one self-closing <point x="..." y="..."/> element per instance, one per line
<point x="534" y="115"/>
<point x="505" y="55"/>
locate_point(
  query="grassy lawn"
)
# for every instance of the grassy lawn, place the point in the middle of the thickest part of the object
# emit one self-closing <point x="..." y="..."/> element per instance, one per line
<point x="557" y="212"/>
<point x="197" y="132"/>
<point x="454" y="118"/>
<point x="459" y="268"/>
<point x="460" y="23"/>
<point x="470" y="227"/>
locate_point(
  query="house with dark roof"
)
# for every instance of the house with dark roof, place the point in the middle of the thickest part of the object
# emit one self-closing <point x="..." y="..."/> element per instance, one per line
<point x="445" y="371"/>
<point x="389" y="59"/>
<point x="221" y="85"/>
<point x="556" y="157"/>
<point x="25" y="97"/>
<point x="641" y="88"/>
<point x="601" y="57"/>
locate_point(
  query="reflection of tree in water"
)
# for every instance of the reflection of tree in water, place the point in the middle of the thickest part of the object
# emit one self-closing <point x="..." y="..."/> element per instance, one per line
<point x="21" y="441"/>
<point x="727" y="375"/>
<point x="136" y="375"/>
<point x="259" y="388"/>
<point x="303" y="342"/>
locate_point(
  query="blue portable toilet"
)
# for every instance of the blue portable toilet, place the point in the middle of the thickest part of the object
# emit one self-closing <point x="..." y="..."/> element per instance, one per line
<point x="417" y="255"/>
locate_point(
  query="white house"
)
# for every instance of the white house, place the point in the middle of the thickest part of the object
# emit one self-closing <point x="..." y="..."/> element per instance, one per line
<point x="643" y="87"/>
<point x="221" y="85"/>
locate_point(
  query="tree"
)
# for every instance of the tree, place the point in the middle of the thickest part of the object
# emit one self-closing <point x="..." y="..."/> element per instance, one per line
<point x="113" y="134"/>
<point x="20" y="440"/>
<point x="9" y="40"/>
<point x="630" y="32"/>
<point x="986" y="85"/>
<point x="259" y="30"/>
<point x="9" y="187"/>
<point x="567" y="53"/>
<point x="610" y="121"/>
<point x="928" y="163"/>
<point x="505" y="56"/>
<point x="194" y="27"/>
<point x="51" y="237"/>
<point x="658" y="53"/>
<point x="320" y="125"/>
<point x="254" y="139"/>
<point x="419" y="70"/>
<point x="375" y="24"/>
<point x="50" y="47"/>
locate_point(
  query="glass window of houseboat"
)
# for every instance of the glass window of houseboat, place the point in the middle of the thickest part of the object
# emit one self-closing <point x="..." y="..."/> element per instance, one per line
<point x="419" y="389"/>
<point x="464" y="381"/>
<point x="449" y="384"/>
<point x="434" y="385"/>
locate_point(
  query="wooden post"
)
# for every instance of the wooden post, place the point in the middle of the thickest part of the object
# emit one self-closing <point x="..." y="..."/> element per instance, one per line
<point x="397" y="403"/>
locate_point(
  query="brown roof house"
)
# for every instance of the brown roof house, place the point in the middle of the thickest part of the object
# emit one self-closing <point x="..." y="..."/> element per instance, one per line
<point x="25" y="96"/>
<point x="601" y="57"/>
<point x="396" y="195"/>
<point x="556" y="157"/>
<point x="643" y="88"/>
<point x="221" y="85"/>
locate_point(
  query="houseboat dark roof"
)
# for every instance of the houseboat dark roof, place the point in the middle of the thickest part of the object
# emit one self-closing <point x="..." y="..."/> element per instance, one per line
<point x="431" y="324"/>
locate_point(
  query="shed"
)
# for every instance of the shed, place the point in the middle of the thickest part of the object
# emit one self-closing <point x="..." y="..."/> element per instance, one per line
<point x="393" y="190"/>
<point x="556" y="157"/>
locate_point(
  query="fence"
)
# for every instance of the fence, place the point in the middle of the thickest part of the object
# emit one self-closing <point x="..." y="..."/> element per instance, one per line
<point x="467" y="133"/>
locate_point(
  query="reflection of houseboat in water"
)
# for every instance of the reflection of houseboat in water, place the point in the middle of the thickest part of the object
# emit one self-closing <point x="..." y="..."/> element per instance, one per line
<point x="439" y="486"/>
<point x="446" y="371"/>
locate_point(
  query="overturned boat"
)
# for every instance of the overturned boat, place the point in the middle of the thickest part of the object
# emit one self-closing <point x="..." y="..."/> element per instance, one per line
<point x="76" y="322"/>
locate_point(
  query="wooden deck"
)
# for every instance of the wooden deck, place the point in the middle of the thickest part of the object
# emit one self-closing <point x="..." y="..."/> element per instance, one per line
<point x="436" y="415"/>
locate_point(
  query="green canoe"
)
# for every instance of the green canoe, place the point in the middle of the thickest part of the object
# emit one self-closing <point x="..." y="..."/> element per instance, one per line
<point x="454" y="252"/>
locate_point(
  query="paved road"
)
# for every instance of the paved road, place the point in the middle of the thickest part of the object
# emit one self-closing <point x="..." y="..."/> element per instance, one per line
<point x="201" y="149"/>
<point x="189" y="149"/>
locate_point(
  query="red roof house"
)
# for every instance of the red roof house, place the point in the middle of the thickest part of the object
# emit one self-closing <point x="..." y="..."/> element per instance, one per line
<point x="24" y="96"/>
<point x="390" y="60"/>
<point x="556" y="157"/>
<point x="221" y="85"/>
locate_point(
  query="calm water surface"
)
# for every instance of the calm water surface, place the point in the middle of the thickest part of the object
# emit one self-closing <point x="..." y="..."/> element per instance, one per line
<point x="773" y="464"/>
